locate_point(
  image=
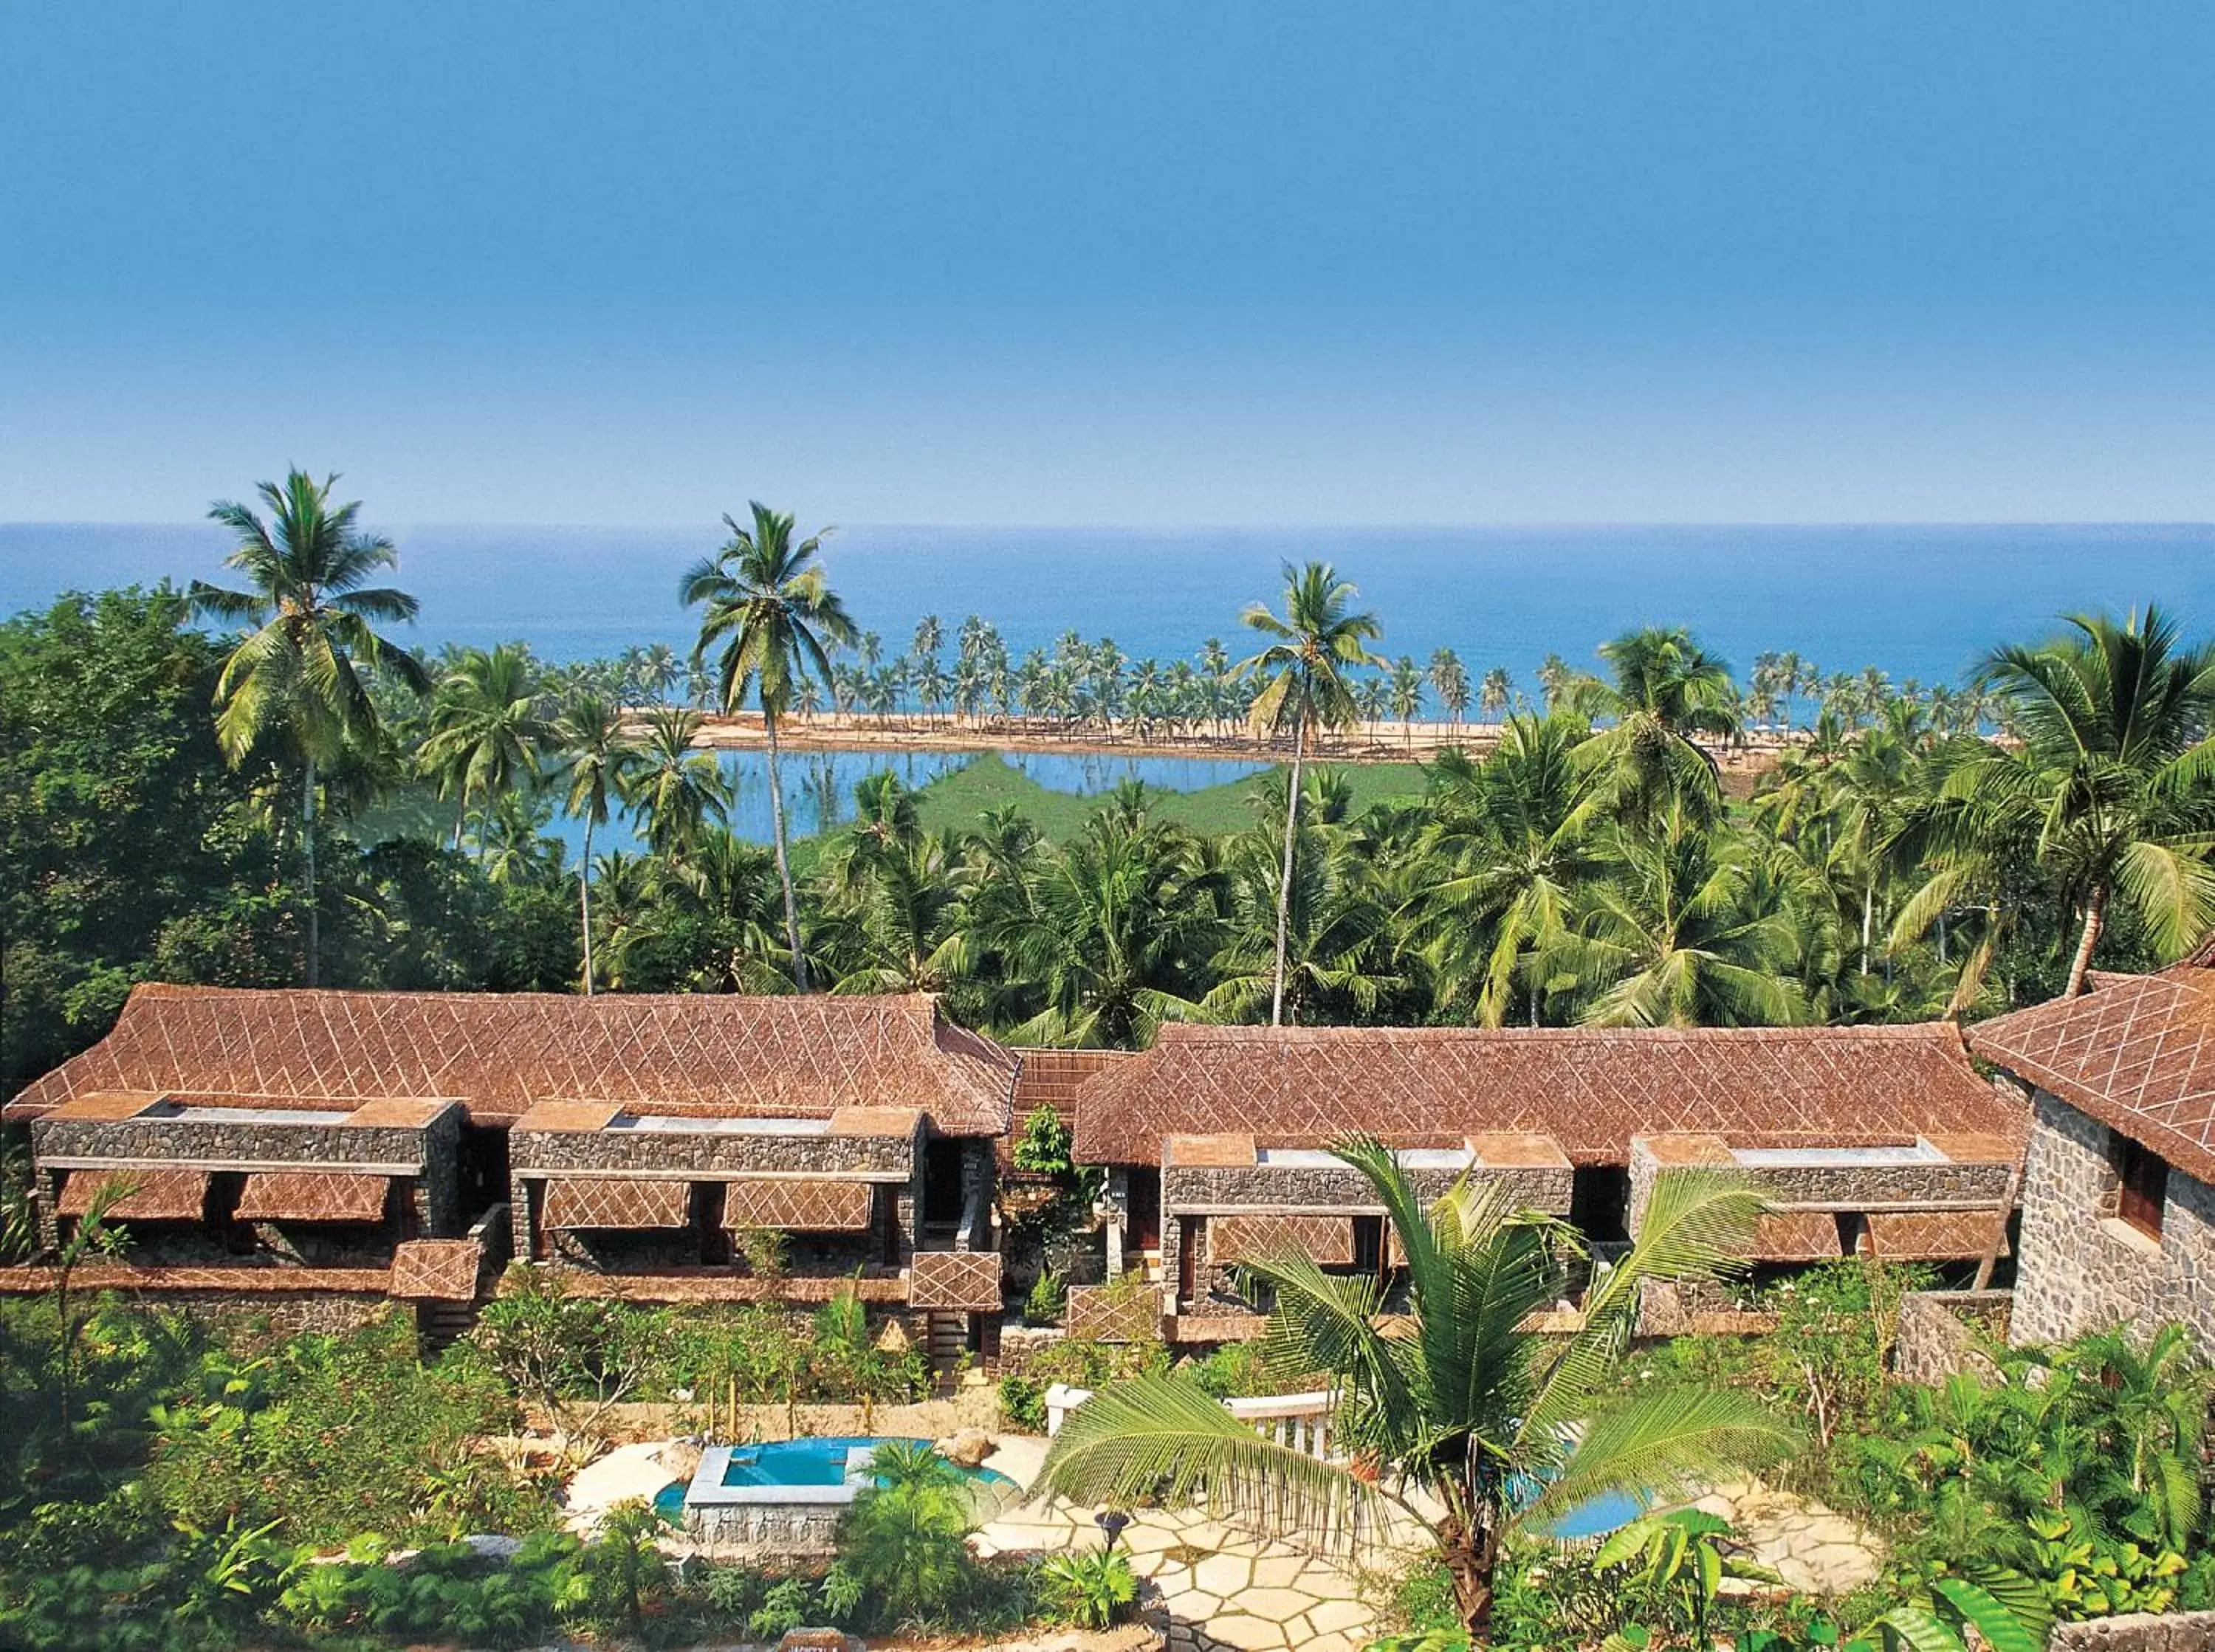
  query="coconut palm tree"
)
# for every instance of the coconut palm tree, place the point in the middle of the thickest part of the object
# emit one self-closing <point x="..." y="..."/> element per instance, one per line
<point x="598" y="762"/>
<point x="1303" y="675"/>
<point x="1406" y="695"/>
<point x="1112" y="932"/>
<point x="1498" y="1426"/>
<point x="1682" y="933"/>
<point x="487" y="735"/>
<point x="1450" y="682"/>
<point x="1492" y="696"/>
<point x="1665" y="691"/>
<point x="766" y="603"/>
<point x="677" y="790"/>
<point x="1338" y="952"/>
<point x="1513" y="838"/>
<point x="2112" y="772"/>
<point x="292" y="677"/>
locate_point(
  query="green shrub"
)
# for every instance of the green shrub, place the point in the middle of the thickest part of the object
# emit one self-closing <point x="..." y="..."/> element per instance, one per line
<point x="1022" y="1405"/>
<point x="1095" y="1589"/>
<point x="904" y="1539"/>
<point x="1043" y="1149"/>
<point x="1048" y="1300"/>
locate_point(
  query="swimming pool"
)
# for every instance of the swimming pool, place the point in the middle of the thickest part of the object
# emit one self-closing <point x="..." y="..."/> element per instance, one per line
<point x="824" y="1461"/>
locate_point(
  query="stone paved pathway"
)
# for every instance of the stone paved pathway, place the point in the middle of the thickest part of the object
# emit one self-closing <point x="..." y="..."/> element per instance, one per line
<point x="1811" y="1546"/>
<point x="1222" y="1589"/>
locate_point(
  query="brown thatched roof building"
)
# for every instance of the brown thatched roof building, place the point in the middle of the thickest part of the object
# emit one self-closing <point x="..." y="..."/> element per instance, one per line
<point x="499" y="1053"/>
<point x="1591" y="1090"/>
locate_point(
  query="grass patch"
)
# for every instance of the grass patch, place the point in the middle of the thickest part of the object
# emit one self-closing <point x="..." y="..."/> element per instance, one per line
<point x="960" y="800"/>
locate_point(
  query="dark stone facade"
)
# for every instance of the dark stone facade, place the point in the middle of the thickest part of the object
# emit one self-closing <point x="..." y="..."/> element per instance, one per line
<point x="2083" y="1268"/>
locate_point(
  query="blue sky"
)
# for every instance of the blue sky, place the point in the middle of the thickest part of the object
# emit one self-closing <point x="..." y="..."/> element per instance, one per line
<point x="1136" y="263"/>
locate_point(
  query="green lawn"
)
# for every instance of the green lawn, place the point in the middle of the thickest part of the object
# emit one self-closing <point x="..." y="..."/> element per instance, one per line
<point x="960" y="799"/>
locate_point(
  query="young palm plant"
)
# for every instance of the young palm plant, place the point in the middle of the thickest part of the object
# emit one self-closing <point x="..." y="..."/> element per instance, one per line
<point x="292" y="676"/>
<point x="1454" y="1415"/>
<point x="768" y="608"/>
<point x="1305" y="686"/>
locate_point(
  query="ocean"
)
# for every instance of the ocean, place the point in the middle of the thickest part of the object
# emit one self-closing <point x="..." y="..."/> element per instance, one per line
<point x="1916" y="602"/>
<point x="1920" y="602"/>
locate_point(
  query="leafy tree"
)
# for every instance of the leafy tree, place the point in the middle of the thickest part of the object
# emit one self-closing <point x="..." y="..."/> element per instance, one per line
<point x="1464" y="1404"/>
<point x="767" y="605"/>
<point x="119" y="816"/>
<point x="1303" y="685"/>
<point x="292" y="678"/>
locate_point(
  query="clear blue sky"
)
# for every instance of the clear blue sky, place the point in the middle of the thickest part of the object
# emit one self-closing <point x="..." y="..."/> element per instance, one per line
<point x="1561" y="261"/>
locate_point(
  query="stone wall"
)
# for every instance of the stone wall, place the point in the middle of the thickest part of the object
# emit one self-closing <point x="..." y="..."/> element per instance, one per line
<point x="1939" y="1332"/>
<point x="2082" y="1268"/>
<point x="240" y="1145"/>
<point x="711" y="1153"/>
<point x="1340" y="1188"/>
<point x="2177" y="1632"/>
<point x="744" y="1531"/>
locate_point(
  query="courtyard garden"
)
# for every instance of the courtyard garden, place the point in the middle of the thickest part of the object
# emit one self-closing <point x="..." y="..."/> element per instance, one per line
<point x="166" y="1482"/>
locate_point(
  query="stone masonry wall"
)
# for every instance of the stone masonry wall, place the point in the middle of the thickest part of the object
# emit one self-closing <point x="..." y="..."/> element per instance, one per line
<point x="2076" y="1269"/>
<point x="879" y="1158"/>
<point x="215" y="1141"/>
<point x="1939" y="1333"/>
<point x="1203" y="1187"/>
<point x="2082" y="1268"/>
<point x="2177" y="1632"/>
<point x="1878" y="1188"/>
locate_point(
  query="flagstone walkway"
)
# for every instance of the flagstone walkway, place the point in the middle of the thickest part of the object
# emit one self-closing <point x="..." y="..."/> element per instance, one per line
<point x="1222" y="1589"/>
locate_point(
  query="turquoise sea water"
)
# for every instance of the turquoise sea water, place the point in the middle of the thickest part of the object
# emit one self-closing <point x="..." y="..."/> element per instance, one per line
<point x="1920" y="602"/>
<point x="1916" y="602"/>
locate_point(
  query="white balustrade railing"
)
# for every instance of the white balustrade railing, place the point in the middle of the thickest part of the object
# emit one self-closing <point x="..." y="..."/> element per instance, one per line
<point x="1299" y="1421"/>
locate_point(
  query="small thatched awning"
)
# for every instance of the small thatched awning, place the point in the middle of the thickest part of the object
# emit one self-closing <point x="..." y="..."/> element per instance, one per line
<point x="436" y="1269"/>
<point x="1797" y="1236"/>
<point x="1935" y="1235"/>
<point x="155" y="1196"/>
<point x="313" y="1195"/>
<point x="1328" y="1239"/>
<point x="799" y="1207"/>
<point x="609" y="1202"/>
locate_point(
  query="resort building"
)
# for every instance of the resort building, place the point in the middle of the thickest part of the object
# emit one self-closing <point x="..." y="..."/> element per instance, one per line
<point x="310" y="1155"/>
<point x="2118" y="1180"/>
<point x="1882" y="1141"/>
<point x="281" y="1146"/>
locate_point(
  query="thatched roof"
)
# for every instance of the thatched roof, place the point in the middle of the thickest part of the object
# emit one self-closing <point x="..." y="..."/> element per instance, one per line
<point x="2135" y="1053"/>
<point x="702" y="1053"/>
<point x="1591" y="1090"/>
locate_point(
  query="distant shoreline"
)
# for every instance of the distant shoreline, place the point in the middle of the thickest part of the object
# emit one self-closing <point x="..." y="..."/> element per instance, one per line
<point x="1386" y="741"/>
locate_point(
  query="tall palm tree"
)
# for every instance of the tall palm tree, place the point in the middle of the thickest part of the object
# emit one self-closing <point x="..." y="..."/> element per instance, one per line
<point x="293" y="677"/>
<point x="1514" y="839"/>
<point x="1498" y="1426"/>
<point x="1338" y="949"/>
<point x="598" y="762"/>
<point x="677" y="789"/>
<point x="766" y="603"/>
<point x="1303" y="675"/>
<point x="487" y="734"/>
<point x="1683" y="934"/>
<point x="1450" y="682"/>
<point x="2113" y="769"/>
<point x="1112" y="931"/>
<point x="1665" y="691"/>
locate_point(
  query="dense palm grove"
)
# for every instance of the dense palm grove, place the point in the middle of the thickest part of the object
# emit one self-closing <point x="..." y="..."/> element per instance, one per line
<point x="300" y="801"/>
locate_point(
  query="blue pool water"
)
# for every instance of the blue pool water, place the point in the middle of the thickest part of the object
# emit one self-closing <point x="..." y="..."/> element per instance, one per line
<point x="815" y="1462"/>
<point x="1596" y="1517"/>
